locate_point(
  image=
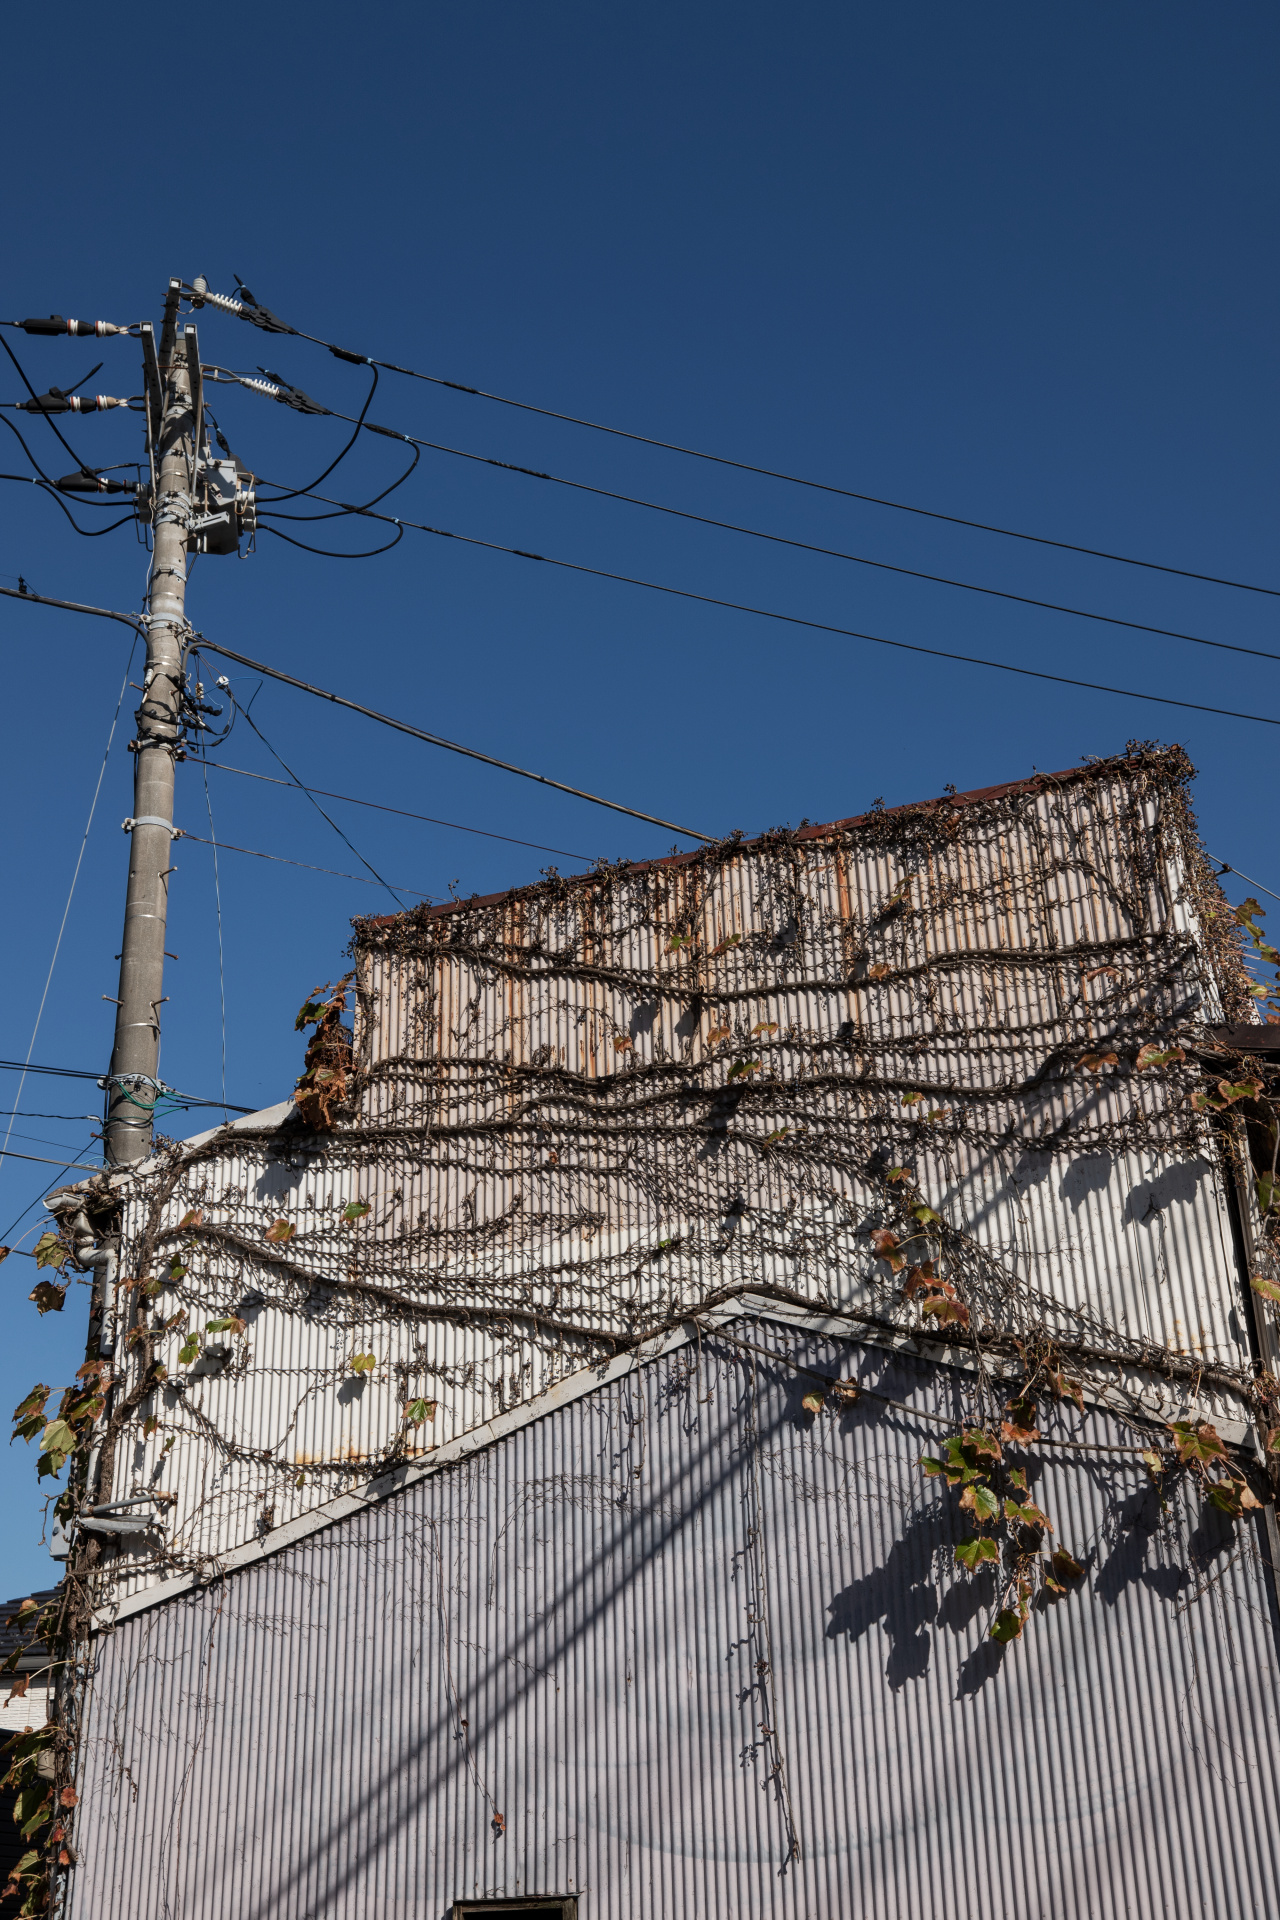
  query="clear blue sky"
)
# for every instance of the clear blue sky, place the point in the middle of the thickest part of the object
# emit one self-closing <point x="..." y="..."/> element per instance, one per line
<point x="1012" y="263"/>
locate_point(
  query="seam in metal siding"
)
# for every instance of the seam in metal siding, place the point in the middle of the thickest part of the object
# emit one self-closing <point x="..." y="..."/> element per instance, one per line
<point x="592" y="1597"/>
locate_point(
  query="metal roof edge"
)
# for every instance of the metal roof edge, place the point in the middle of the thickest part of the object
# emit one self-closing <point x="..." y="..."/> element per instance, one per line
<point x="266" y="1120"/>
<point x="575" y="1386"/>
<point x="1032" y="783"/>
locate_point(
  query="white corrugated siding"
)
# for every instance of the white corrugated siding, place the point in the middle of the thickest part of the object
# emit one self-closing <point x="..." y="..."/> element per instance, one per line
<point x="471" y="1211"/>
<point x="568" y="1631"/>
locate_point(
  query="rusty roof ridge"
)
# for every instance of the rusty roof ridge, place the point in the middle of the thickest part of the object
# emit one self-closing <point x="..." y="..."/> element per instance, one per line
<point x="1172" y="758"/>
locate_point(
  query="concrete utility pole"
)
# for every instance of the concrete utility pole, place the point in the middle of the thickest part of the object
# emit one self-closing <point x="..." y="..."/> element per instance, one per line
<point x="131" y="1086"/>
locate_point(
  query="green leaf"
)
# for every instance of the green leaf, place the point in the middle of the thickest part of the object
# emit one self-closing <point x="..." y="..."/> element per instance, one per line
<point x="177" y="1271"/>
<point x="1064" y="1567"/>
<point x="418" y="1411"/>
<point x="355" y="1210"/>
<point x="1017" y="1478"/>
<point x="972" y="1554"/>
<point x="1267" y="1288"/>
<point x="773" y="1139"/>
<point x="1154" y="1055"/>
<point x="149" y="1426"/>
<point x="1196" y="1442"/>
<point x="934" y="1467"/>
<point x="279" y="1232"/>
<point x="190" y="1350"/>
<point x="28" y="1415"/>
<point x="1268" y="1193"/>
<point x="764" y="1026"/>
<point x="1008" y="1625"/>
<point x="57" y="1438"/>
<point x="814" y="1400"/>
<point x="1025" y="1513"/>
<point x="741" y="1067"/>
<point x="363" y="1362"/>
<point x="232" y="1324"/>
<point x="50" y="1251"/>
<point x="730" y="940"/>
<point x="926" y="1216"/>
<point x="981" y="1502"/>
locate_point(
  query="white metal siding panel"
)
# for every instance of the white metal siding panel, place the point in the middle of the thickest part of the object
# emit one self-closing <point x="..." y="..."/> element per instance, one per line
<point x="593" y="1596"/>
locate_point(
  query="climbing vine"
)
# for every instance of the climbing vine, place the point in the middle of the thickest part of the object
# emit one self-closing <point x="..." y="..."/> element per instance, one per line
<point x="768" y="1072"/>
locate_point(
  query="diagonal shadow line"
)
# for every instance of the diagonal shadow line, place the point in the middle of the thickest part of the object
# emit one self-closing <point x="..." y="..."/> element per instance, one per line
<point x="616" y="1547"/>
<point x="269" y="1901"/>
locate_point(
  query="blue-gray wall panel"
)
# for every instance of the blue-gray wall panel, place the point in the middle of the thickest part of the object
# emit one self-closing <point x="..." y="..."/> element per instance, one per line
<point x="594" y="1596"/>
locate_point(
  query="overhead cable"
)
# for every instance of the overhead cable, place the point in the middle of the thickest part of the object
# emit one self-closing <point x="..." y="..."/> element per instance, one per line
<point x="755" y="533"/>
<point x="722" y="460"/>
<point x="430" y="819"/>
<point x="327" y="818"/>
<point x="35" y="396"/>
<point x="1227" y="867"/>
<point x="370" y="713"/>
<point x="86" y="1073"/>
<point x="71" y="891"/>
<point x="225" y="846"/>
<point x="815" y="626"/>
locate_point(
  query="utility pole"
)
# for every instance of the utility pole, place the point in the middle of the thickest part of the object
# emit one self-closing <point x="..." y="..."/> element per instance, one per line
<point x="174" y="431"/>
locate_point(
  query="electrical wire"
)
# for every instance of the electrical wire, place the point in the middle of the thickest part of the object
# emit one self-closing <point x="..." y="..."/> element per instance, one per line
<point x="47" y="486"/>
<point x="30" y="1113"/>
<point x="797" y="620"/>
<point x="784" y="540"/>
<point x="306" y="493"/>
<point x="329" y="820"/>
<point x="87" y="1073"/>
<point x="35" y="396"/>
<point x="329" y="553"/>
<point x="280" y="860"/>
<point x="221" y="766"/>
<point x="401" y="726"/>
<point x="771" y="473"/>
<point x="345" y="451"/>
<point x="1228" y="868"/>
<point x="217" y="895"/>
<point x="62" y="927"/>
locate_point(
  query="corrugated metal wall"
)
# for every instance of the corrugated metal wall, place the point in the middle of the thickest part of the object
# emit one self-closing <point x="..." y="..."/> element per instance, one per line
<point x="638" y="1647"/>
<point x="604" y="1200"/>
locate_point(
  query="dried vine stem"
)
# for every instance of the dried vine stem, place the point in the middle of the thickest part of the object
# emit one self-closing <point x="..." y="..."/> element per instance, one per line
<point x="805" y="1070"/>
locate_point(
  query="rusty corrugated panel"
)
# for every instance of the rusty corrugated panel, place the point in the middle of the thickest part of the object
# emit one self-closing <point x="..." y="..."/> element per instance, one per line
<point x="640" y="1647"/>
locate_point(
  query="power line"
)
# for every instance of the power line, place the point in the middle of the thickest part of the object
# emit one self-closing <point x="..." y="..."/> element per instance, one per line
<point x="217" y="896"/>
<point x="349" y="844"/>
<point x="401" y="726"/>
<point x="86" y="1073"/>
<point x="746" y="466"/>
<point x="363" y="880"/>
<point x="221" y="766"/>
<point x="768" y="613"/>
<point x="62" y="926"/>
<point x="753" y="533"/>
<point x="1228" y="868"/>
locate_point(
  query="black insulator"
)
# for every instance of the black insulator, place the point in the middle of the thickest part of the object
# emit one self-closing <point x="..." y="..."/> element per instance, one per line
<point x="85" y="329"/>
<point x="87" y="481"/>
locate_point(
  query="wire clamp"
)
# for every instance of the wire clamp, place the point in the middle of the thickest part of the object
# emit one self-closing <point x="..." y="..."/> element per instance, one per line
<point x="151" y="820"/>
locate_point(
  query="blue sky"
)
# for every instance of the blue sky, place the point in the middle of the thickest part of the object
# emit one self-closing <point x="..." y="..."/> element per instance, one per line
<point x="1013" y="264"/>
